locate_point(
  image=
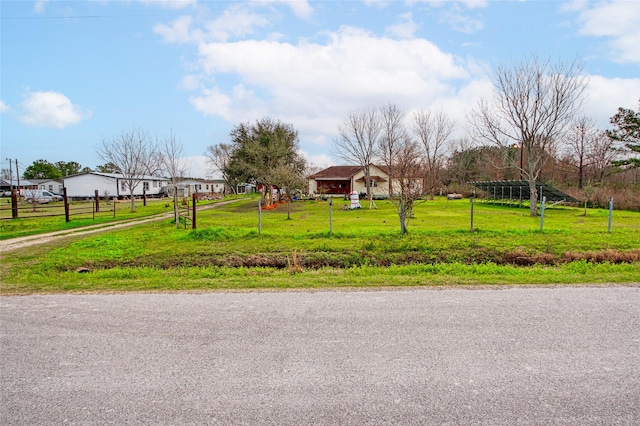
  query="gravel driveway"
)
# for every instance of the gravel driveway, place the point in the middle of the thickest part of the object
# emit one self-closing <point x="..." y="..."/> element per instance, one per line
<point x="564" y="355"/>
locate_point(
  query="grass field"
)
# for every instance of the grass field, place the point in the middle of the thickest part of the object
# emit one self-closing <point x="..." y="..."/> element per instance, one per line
<point x="227" y="251"/>
<point x="50" y="217"/>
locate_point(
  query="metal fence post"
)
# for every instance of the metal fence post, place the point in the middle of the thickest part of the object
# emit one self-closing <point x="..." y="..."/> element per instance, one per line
<point x="544" y="199"/>
<point x="471" y="226"/>
<point x="330" y="217"/>
<point x="610" y="213"/>
<point x="259" y="216"/>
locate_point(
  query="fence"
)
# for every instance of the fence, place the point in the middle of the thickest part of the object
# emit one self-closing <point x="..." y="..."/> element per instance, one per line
<point x="35" y="209"/>
<point x="187" y="210"/>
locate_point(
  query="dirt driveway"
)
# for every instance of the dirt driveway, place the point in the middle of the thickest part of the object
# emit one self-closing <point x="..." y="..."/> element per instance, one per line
<point x="31" y="240"/>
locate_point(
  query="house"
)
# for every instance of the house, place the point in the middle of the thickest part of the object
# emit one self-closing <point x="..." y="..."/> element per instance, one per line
<point x="51" y="185"/>
<point x="84" y="185"/>
<point x="342" y="180"/>
<point x="204" y="186"/>
<point x="7" y="185"/>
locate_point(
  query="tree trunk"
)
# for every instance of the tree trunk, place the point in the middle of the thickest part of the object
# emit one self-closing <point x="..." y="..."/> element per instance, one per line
<point x="176" y="214"/>
<point x="533" y="199"/>
<point x="403" y="218"/>
<point x="133" y="202"/>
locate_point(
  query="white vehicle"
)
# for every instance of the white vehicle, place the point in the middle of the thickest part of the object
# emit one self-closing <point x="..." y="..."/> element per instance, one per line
<point x="41" y="196"/>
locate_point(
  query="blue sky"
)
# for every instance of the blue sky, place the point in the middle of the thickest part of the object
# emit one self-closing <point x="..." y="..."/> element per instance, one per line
<point x="76" y="72"/>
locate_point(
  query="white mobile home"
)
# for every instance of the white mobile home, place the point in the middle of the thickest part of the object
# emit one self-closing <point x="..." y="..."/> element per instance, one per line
<point x="84" y="185"/>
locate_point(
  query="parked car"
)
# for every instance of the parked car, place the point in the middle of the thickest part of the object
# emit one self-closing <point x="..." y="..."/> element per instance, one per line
<point x="41" y="196"/>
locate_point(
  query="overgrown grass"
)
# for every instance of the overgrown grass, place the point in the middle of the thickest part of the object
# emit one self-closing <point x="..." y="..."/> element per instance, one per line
<point x="366" y="249"/>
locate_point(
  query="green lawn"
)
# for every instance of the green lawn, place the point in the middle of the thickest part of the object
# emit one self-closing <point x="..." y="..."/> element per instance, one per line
<point x="366" y="249"/>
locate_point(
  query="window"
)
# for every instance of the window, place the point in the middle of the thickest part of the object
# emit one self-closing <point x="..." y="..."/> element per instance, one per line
<point x="373" y="183"/>
<point x="145" y="185"/>
<point x="50" y="187"/>
<point x="155" y="183"/>
<point x="123" y="186"/>
<point x="41" y="186"/>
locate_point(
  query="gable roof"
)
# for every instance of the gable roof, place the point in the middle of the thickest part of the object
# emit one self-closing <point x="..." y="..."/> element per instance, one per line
<point x="112" y="176"/>
<point x="336" y="172"/>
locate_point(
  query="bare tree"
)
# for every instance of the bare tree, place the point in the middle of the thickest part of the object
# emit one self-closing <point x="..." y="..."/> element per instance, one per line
<point x="533" y="103"/>
<point x="357" y="140"/>
<point x="175" y="166"/>
<point x="603" y="153"/>
<point x="219" y="157"/>
<point x="465" y="162"/>
<point x="407" y="171"/>
<point x="290" y="180"/>
<point x="393" y="132"/>
<point x="579" y="141"/>
<point x="135" y="154"/>
<point x="433" y="131"/>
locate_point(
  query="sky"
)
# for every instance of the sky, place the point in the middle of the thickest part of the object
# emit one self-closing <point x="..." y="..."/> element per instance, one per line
<point x="76" y="73"/>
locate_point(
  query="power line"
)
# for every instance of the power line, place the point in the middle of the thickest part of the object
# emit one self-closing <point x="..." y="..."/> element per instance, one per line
<point x="37" y="18"/>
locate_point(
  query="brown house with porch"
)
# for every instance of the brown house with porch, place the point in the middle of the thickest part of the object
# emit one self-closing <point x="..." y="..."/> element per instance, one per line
<point x="341" y="180"/>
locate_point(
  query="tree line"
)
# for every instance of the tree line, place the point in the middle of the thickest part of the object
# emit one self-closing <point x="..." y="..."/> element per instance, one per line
<point x="530" y="129"/>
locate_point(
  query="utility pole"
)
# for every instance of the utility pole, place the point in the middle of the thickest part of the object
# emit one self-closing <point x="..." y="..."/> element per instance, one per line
<point x="10" y="174"/>
<point x="17" y="175"/>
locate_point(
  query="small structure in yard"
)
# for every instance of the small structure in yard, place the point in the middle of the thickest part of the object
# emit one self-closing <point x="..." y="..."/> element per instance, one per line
<point x="518" y="190"/>
<point x="355" y="200"/>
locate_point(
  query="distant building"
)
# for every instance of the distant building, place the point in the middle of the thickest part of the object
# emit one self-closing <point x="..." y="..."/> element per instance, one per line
<point x="84" y="185"/>
<point x="341" y="180"/>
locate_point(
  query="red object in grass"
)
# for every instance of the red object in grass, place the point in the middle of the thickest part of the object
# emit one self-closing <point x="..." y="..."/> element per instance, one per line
<point x="271" y="206"/>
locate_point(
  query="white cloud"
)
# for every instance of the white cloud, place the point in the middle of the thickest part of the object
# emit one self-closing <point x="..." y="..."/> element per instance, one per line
<point x="50" y="109"/>
<point x="313" y="85"/>
<point x="461" y="22"/>
<point x="178" y="32"/>
<point x="4" y="107"/>
<point x="236" y="21"/>
<point x="617" y="21"/>
<point x="38" y="6"/>
<point x="606" y="95"/>
<point x="170" y="4"/>
<point x="319" y="160"/>
<point x="300" y="8"/>
<point x="405" y="28"/>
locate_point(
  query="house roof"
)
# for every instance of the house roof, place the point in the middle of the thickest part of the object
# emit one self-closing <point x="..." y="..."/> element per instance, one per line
<point x="496" y="190"/>
<point x="336" y="172"/>
<point x="113" y="176"/>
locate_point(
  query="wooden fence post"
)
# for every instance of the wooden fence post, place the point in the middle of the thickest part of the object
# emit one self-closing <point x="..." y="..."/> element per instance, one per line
<point x="97" y="197"/>
<point x="193" y="221"/>
<point x="14" y="204"/>
<point x="66" y="204"/>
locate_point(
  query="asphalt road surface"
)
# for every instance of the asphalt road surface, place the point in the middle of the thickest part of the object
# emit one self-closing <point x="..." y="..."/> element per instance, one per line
<point x="564" y="355"/>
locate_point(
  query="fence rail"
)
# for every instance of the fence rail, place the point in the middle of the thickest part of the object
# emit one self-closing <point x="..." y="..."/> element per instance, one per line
<point x="17" y="208"/>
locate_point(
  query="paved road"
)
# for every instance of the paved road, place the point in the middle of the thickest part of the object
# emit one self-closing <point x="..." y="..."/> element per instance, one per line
<point x="509" y="356"/>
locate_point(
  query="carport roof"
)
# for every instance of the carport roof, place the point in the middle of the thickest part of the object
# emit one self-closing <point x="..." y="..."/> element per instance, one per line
<point x="521" y="187"/>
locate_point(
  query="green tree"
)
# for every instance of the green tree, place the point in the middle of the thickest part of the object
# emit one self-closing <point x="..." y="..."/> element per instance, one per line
<point x="68" y="169"/>
<point x="108" y="167"/>
<point x="42" y="169"/>
<point x="261" y="151"/>
<point x="627" y="131"/>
